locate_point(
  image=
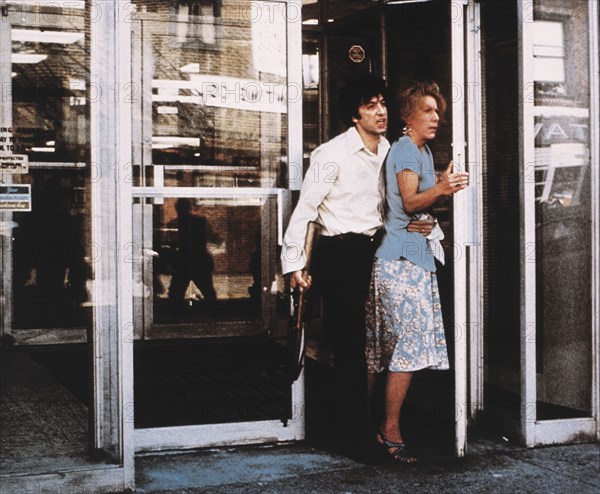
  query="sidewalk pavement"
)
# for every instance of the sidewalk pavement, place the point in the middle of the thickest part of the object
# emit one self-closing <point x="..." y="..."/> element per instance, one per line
<point x="489" y="467"/>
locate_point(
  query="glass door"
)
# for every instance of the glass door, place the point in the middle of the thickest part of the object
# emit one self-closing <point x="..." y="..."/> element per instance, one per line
<point x="214" y="117"/>
<point x="63" y="354"/>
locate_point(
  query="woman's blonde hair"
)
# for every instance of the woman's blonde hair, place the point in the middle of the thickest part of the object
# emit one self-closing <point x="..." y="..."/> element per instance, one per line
<point x="411" y="96"/>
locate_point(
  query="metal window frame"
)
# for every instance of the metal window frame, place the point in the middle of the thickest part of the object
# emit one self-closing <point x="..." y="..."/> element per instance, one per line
<point x="594" y="41"/>
<point x="110" y="122"/>
<point x="527" y="223"/>
<point x="6" y="259"/>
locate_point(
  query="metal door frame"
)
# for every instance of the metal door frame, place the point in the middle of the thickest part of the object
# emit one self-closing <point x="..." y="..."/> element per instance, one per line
<point x="461" y="225"/>
<point x="474" y="121"/>
<point x="237" y="433"/>
<point x="111" y="430"/>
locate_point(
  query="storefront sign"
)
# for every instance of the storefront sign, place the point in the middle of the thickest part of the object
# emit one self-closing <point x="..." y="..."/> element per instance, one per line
<point x="15" y="197"/>
<point x="227" y="92"/>
<point x="14" y="163"/>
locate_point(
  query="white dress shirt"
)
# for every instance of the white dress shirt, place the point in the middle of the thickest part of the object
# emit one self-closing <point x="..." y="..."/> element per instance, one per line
<point x="341" y="191"/>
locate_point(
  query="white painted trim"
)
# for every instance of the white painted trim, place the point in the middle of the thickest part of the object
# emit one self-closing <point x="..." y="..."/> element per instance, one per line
<point x="124" y="234"/>
<point x="527" y="223"/>
<point x="594" y="42"/>
<point x="213" y="435"/>
<point x="294" y="110"/>
<point x="565" y="431"/>
<point x="460" y="236"/>
<point x="473" y="93"/>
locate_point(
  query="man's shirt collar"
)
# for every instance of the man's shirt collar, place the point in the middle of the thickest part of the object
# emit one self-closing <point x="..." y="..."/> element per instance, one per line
<point x="355" y="142"/>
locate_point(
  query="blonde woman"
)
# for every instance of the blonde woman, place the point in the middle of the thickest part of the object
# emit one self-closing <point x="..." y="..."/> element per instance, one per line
<point x="405" y="331"/>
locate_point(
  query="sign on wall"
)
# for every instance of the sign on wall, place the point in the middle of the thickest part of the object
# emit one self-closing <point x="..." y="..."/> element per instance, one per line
<point x="15" y="197"/>
<point x="14" y="163"/>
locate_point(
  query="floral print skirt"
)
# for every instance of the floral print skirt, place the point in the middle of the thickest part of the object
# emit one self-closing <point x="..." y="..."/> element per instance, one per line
<point x="405" y="331"/>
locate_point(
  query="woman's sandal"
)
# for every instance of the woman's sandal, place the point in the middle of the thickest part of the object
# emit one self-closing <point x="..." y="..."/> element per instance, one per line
<point x="400" y="453"/>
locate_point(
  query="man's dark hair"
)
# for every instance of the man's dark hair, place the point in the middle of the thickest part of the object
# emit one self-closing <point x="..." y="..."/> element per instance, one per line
<point x="358" y="91"/>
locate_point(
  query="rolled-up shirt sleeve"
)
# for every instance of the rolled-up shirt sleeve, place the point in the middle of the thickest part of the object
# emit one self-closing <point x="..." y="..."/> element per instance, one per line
<point x="317" y="183"/>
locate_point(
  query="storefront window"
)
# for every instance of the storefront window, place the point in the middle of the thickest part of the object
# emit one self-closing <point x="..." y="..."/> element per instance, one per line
<point x="563" y="210"/>
<point x="50" y="135"/>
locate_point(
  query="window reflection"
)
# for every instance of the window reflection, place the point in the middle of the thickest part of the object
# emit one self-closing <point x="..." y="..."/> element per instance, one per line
<point x="194" y="23"/>
<point x="219" y="111"/>
<point x="563" y="211"/>
<point x="549" y="53"/>
<point x="208" y="260"/>
<point x="52" y="272"/>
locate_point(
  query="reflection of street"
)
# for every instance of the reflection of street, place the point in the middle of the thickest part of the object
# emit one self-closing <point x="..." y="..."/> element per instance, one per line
<point x="206" y="262"/>
<point x="227" y="287"/>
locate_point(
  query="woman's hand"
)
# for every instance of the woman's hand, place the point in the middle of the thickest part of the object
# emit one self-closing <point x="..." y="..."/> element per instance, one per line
<point x="424" y="227"/>
<point x="414" y="201"/>
<point x="299" y="278"/>
<point x="450" y="182"/>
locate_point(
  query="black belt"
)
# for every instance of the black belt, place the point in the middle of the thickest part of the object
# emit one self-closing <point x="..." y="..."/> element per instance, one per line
<point x="352" y="236"/>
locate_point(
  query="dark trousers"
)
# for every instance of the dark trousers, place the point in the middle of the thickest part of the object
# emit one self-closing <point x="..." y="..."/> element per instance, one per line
<point x="198" y="272"/>
<point x="344" y="271"/>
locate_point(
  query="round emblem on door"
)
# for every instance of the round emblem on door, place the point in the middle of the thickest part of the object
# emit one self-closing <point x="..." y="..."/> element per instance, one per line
<point x="356" y="53"/>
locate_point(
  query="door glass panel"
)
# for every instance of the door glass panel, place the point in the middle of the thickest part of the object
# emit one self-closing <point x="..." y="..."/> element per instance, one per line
<point x="215" y="91"/>
<point x="46" y="250"/>
<point x="209" y="260"/>
<point x="51" y="246"/>
<point x="563" y="211"/>
<point x="210" y="116"/>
